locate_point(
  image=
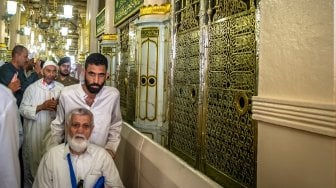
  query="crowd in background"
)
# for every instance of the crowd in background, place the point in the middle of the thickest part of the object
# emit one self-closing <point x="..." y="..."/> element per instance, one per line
<point x="57" y="130"/>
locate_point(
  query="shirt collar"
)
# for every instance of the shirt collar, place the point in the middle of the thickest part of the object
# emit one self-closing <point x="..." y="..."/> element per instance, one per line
<point x="49" y="86"/>
<point x="84" y="95"/>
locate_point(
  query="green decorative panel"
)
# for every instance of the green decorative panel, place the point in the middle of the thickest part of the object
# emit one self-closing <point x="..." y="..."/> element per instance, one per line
<point x="184" y="113"/>
<point x="100" y="22"/>
<point x="125" y="8"/>
<point x="230" y="142"/>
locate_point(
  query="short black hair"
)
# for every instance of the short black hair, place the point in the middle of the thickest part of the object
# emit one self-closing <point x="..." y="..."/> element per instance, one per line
<point x="96" y="59"/>
<point x="18" y="49"/>
<point x="64" y="60"/>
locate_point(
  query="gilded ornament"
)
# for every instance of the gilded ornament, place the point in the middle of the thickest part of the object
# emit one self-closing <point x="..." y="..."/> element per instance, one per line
<point x="155" y="9"/>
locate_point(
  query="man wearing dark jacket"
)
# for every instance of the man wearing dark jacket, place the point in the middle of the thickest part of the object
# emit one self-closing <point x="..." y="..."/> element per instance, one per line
<point x="12" y="74"/>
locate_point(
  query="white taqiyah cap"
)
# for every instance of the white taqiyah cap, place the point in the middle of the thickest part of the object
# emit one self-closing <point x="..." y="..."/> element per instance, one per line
<point x="47" y="63"/>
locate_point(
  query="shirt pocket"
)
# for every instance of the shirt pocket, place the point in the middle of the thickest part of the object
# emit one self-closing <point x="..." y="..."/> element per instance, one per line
<point x="92" y="178"/>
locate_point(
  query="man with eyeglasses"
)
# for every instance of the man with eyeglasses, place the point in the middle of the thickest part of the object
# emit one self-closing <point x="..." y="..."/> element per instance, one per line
<point x="77" y="163"/>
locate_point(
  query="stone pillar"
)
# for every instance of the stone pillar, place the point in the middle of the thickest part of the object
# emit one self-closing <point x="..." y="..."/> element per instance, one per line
<point x="109" y="43"/>
<point x="108" y="47"/>
<point x="295" y="108"/>
<point x="3" y="34"/>
<point x="92" y="11"/>
<point x="109" y="17"/>
<point x="153" y="36"/>
<point x="14" y="27"/>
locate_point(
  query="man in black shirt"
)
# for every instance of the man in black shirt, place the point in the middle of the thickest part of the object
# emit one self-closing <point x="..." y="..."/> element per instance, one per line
<point x="12" y="74"/>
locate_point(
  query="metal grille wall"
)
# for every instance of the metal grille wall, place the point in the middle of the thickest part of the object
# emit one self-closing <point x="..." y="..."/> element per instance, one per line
<point x="211" y="125"/>
<point x="186" y="80"/>
<point x="126" y="77"/>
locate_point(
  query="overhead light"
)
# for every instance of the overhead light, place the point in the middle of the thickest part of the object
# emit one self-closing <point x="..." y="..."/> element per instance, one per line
<point x="40" y="38"/>
<point x="11" y="7"/>
<point x="32" y="38"/>
<point x="43" y="46"/>
<point x="68" y="42"/>
<point x="26" y="30"/>
<point x="67" y="11"/>
<point x="64" y="31"/>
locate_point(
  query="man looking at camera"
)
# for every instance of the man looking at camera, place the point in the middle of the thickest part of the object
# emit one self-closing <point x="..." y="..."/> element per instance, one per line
<point x="77" y="163"/>
<point x="102" y="101"/>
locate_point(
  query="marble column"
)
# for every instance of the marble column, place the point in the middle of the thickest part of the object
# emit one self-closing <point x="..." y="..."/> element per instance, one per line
<point x="14" y="27"/>
<point x="3" y="34"/>
<point x="109" y="43"/>
<point x="92" y="11"/>
<point x="153" y="36"/>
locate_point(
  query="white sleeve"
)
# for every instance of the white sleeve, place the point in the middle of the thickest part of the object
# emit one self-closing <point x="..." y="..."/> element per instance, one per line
<point x="44" y="176"/>
<point x="113" y="138"/>
<point x="27" y="108"/>
<point x="10" y="167"/>
<point x="57" y="125"/>
<point x="110" y="172"/>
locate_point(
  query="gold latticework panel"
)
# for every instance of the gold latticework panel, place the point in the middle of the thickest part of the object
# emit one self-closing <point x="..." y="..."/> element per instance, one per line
<point x="219" y="9"/>
<point x="131" y="94"/>
<point x="127" y="76"/>
<point x="183" y="124"/>
<point x="186" y="14"/>
<point x="230" y="147"/>
<point x="123" y="78"/>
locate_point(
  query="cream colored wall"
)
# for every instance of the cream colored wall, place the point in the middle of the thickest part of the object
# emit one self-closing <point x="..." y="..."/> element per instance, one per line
<point x="142" y="163"/>
<point x="296" y="39"/>
<point x="293" y="158"/>
<point x="295" y="107"/>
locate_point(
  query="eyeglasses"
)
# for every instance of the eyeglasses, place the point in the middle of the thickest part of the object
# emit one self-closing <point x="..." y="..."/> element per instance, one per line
<point x="84" y="126"/>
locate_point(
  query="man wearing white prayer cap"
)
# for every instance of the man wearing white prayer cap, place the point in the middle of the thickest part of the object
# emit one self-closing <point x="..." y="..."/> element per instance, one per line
<point x="38" y="107"/>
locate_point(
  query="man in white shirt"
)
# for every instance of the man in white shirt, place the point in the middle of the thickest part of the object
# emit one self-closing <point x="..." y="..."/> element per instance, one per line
<point x="38" y="108"/>
<point x="9" y="140"/>
<point x="77" y="163"/>
<point x="102" y="101"/>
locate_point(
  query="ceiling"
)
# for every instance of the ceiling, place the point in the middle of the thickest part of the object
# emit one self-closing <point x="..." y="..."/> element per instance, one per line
<point x="79" y="5"/>
<point x="45" y="18"/>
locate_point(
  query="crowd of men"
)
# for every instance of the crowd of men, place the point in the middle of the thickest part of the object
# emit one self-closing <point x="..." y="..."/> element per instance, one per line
<point x="69" y="130"/>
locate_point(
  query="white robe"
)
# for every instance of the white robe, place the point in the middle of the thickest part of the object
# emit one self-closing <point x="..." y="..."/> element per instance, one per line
<point x="89" y="166"/>
<point x="36" y="124"/>
<point x="9" y="140"/>
<point x="106" y="113"/>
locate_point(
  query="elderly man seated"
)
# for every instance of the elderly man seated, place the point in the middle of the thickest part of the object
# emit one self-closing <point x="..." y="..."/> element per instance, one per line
<point x="78" y="163"/>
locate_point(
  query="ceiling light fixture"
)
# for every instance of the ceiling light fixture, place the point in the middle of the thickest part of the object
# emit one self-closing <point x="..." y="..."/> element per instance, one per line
<point x="67" y="11"/>
<point x="11" y="7"/>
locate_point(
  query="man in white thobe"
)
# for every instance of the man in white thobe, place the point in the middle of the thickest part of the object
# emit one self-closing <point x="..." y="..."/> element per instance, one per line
<point x="10" y="126"/>
<point x="38" y="108"/>
<point x="77" y="163"/>
<point x="102" y="101"/>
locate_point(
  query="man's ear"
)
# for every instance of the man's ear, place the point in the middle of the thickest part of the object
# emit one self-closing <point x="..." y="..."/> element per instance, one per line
<point x="107" y="76"/>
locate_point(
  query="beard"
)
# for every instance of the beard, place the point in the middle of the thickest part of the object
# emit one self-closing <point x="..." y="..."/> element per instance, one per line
<point x="94" y="88"/>
<point x="67" y="73"/>
<point x="78" y="143"/>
